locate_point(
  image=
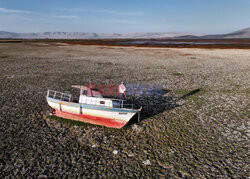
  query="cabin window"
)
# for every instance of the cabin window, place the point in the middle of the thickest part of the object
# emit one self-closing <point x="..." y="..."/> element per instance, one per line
<point x="102" y="102"/>
<point x="84" y="92"/>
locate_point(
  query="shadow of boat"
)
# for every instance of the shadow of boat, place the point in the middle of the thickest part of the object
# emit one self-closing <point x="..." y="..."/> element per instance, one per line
<point x="153" y="105"/>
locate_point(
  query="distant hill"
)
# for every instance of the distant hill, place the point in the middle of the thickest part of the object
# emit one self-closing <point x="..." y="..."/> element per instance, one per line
<point x="245" y="33"/>
<point x="84" y="35"/>
<point x="4" y="34"/>
<point x="188" y="37"/>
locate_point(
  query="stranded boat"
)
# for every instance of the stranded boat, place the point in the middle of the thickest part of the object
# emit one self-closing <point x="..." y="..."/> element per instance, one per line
<point x="92" y="108"/>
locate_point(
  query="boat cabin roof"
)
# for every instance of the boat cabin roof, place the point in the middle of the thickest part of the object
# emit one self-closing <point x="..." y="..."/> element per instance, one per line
<point x="79" y="86"/>
<point x="88" y="91"/>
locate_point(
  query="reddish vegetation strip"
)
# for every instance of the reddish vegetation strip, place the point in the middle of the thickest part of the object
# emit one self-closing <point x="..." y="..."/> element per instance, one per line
<point x="174" y="43"/>
<point x="217" y="43"/>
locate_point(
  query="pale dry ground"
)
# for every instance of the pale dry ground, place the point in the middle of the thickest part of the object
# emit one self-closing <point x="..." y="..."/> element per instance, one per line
<point x="200" y="127"/>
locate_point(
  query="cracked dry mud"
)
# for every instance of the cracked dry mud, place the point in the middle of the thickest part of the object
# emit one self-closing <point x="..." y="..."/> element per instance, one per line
<point x="198" y="128"/>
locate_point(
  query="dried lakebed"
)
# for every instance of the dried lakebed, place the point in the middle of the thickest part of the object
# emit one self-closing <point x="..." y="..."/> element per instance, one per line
<point x="199" y="127"/>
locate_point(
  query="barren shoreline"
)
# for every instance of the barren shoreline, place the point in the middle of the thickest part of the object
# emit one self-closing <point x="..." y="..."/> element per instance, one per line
<point x="198" y="128"/>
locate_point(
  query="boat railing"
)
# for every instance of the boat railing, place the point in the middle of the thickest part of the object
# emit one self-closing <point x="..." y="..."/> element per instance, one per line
<point x="128" y="106"/>
<point x="122" y="105"/>
<point x="59" y="95"/>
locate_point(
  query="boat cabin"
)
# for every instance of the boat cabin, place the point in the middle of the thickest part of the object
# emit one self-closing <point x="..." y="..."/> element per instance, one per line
<point x="94" y="97"/>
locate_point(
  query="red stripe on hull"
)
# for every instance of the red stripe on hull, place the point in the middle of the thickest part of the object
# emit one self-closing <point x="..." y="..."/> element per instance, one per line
<point x="91" y="119"/>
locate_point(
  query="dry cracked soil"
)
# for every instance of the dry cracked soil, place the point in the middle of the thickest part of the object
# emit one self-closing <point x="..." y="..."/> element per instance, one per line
<point x="198" y="128"/>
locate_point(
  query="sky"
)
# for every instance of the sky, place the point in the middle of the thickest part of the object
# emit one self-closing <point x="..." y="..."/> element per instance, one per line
<point x="124" y="16"/>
